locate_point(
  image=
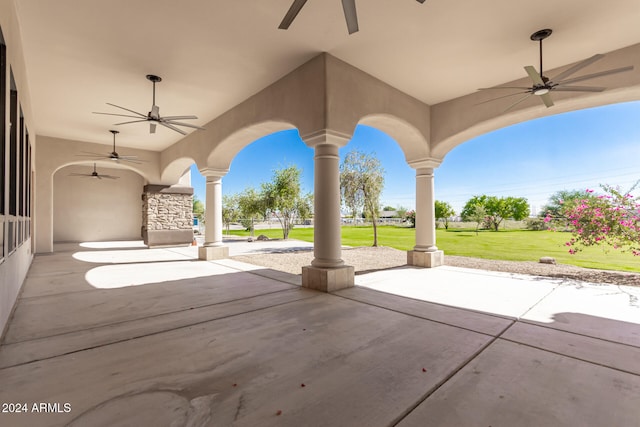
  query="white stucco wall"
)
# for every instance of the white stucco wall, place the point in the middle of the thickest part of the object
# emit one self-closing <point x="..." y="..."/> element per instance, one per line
<point x="14" y="265"/>
<point x="88" y="209"/>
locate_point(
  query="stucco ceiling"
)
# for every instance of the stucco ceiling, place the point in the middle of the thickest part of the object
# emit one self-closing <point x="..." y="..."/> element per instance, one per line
<point x="213" y="54"/>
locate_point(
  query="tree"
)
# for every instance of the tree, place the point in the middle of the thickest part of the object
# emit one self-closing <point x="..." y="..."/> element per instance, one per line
<point x="198" y="208"/>
<point x="519" y="208"/>
<point x="477" y="214"/>
<point x="443" y="212"/>
<point x="283" y="198"/>
<point x="469" y="208"/>
<point x="497" y="209"/>
<point x="402" y="212"/>
<point x="611" y="219"/>
<point x="361" y="183"/>
<point x="251" y="206"/>
<point x="560" y="203"/>
<point x="388" y="208"/>
<point x="230" y="210"/>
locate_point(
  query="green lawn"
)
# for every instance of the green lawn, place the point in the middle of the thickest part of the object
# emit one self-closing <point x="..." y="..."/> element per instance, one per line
<point x="515" y="245"/>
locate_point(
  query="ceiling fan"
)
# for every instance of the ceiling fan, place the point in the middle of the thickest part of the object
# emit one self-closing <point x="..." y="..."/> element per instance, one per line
<point x="114" y="156"/>
<point x="94" y="174"/>
<point x="543" y="85"/>
<point x="153" y="117"/>
<point x="349" y="7"/>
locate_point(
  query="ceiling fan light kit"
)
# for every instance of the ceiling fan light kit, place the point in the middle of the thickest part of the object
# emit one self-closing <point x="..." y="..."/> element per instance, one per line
<point x="543" y="85"/>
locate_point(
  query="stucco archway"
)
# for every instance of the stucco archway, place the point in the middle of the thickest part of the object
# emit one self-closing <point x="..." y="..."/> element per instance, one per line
<point x="413" y="143"/>
<point x="221" y="156"/>
<point x="91" y="209"/>
<point x="176" y="169"/>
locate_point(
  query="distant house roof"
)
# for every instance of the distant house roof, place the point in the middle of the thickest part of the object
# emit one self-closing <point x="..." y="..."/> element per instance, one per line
<point x="388" y="214"/>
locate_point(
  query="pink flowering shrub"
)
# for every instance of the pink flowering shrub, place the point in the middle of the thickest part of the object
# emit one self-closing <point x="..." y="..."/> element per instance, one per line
<point x="411" y="217"/>
<point x="611" y="219"/>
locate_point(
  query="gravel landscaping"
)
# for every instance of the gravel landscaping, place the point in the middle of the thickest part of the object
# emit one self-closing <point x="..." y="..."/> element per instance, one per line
<point x="366" y="259"/>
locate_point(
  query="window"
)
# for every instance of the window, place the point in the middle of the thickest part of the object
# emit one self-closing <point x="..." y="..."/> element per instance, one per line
<point x="21" y="180"/>
<point x="28" y="185"/>
<point x="13" y="163"/>
<point x="3" y="146"/>
<point x="13" y="147"/>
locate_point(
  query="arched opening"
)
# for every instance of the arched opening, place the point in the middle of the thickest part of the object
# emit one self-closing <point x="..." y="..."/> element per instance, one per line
<point x="94" y="208"/>
<point x="224" y="152"/>
<point x="535" y="160"/>
<point x="399" y="184"/>
<point x="254" y="165"/>
<point x="578" y="149"/>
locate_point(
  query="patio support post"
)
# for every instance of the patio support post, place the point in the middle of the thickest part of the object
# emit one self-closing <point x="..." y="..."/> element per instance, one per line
<point x="327" y="271"/>
<point x="425" y="253"/>
<point x="213" y="247"/>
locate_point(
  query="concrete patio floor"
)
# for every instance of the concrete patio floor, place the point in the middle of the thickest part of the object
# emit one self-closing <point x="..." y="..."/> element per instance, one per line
<point x="128" y="336"/>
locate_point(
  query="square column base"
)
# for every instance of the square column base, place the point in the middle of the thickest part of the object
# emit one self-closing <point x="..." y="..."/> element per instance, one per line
<point x="208" y="253"/>
<point x="328" y="279"/>
<point x="425" y="259"/>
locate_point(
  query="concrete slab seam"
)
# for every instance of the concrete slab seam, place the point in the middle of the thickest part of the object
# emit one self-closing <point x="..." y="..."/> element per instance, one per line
<point x="255" y="272"/>
<point x="591" y="362"/>
<point x="448" y="377"/>
<point x="427" y="319"/>
<point x="155" y="333"/>
<point x="494" y="315"/>
<point x="533" y="323"/>
<point x="153" y="316"/>
<point x="539" y="301"/>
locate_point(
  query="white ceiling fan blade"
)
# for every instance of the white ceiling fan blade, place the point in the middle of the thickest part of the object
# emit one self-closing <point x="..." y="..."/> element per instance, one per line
<point x="126" y="109"/>
<point x="167" y="125"/>
<point x="152" y="127"/>
<point x="119" y="115"/>
<point x="594" y="75"/>
<point x="546" y="99"/>
<point x="580" y="88"/>
<point x="501" y="97"/>
<point x="533" y="74"/>
<point x="132" y="159"/>
<point x="189" y="125"/>
<point x="108" y="176"/>
<point x="291" y="14"/>
<point x="79" y="174"/>
<point x="179" y="118"/>
<point x="578" y="66"/>
<point x="516" y="103"/>
<point x="349" y="7"/>
<point x="504" y="87"/>
<point x="132" y="121"/>
<point x="89" y="154"/>
<point x="129" y="160"/>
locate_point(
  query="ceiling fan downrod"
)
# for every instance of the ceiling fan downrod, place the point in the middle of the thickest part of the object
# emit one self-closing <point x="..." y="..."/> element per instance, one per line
<point x="539" y="36"/>
<point x="114" y="155"/>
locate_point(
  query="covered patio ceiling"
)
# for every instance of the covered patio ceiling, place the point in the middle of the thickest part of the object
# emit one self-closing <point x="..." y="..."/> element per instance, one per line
<point x="213" y="54"/>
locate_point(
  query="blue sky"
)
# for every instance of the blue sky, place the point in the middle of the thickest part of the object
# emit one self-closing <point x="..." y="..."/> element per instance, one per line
<point x="534" y="159"/>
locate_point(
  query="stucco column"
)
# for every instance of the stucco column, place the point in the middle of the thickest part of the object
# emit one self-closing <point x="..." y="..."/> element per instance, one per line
<point x="425" y="253"/>
<point x="213" y="247"/>
<point x="327" y="271"/>
<point x="425" y="211"/>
